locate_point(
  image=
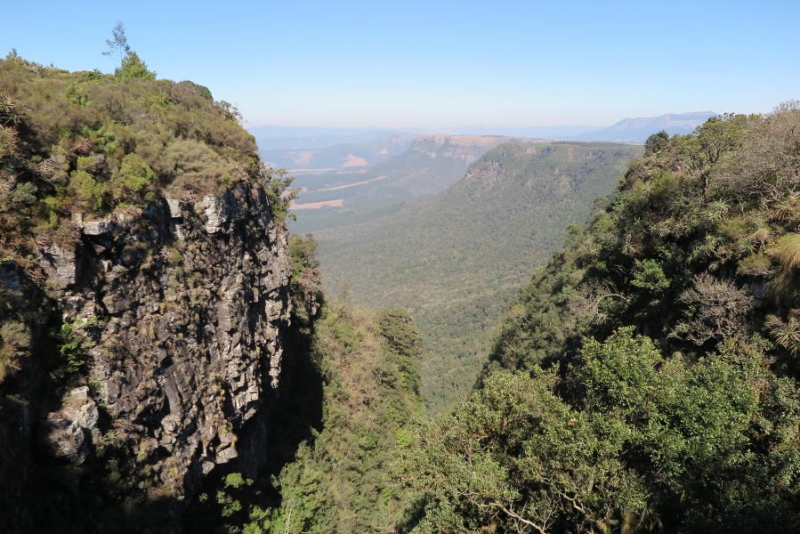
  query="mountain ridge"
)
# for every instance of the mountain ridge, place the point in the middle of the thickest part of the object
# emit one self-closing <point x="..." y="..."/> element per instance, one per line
<point x="271" y="138"/>
<point x="638" y="129"/>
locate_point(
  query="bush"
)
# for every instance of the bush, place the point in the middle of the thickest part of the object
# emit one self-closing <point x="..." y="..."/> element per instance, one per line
<point x="131" y="179"/>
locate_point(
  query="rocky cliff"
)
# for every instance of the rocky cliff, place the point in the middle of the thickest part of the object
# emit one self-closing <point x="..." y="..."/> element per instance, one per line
<point x="174" y="316"/>
<point x="144" y="300"/>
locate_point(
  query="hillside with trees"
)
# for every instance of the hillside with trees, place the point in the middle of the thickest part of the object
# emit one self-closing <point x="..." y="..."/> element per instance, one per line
<point x="431" y="164"/>
<point x="646" y="379"/>
<point x="454" y="260"/>
<point x="169" y="362"/>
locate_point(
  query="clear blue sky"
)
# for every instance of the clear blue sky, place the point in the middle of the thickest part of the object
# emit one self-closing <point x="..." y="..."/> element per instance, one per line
<point x="438" y="63"/>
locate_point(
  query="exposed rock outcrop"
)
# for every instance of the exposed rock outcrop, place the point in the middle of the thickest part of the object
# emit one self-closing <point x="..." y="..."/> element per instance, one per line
<point x="144" y="302"/>
<point x="175" y="318"/>
<point x="186" y="317"/>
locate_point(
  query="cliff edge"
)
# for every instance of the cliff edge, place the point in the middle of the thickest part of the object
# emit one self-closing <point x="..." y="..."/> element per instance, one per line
<point x="144" y="297"/>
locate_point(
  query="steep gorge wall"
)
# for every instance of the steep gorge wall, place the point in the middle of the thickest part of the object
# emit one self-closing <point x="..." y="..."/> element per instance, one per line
<point x="172" y="319"/>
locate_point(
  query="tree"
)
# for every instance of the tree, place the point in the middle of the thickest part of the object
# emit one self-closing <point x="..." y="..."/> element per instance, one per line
<point x="717" y="137"/>
<point x="306" y="284"/>
<point x="517" y="458"/>
<point x="118" y="44"/>
<point x="130" y="65"/>
<point x="656" y="142"/>
<point x="133" y="67"/>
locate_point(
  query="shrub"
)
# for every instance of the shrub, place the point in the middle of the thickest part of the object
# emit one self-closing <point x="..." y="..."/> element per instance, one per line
<point x="88" y="191"/>
<point x="131" y="179"/>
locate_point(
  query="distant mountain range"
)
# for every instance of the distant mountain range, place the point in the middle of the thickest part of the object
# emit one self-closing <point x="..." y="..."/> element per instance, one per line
<point x="639" y="129"/>
<point x="338" y="157"/>
<point x="431" y="164"/>
<point x="301" y="137"/>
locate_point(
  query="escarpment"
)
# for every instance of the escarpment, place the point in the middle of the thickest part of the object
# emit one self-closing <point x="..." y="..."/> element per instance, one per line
<point x="183" y="308"/>
<point x="145" y="301"/>
<point x="174" y="319"/>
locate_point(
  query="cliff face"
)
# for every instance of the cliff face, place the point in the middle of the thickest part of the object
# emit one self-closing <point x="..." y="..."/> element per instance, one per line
<point x="174" y="318"/>
<point x="184" y="305"/>
<point x="144" y="302"/>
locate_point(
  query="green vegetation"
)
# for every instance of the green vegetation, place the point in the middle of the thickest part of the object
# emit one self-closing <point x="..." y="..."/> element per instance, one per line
<point x="131" y="66"/>
<point x="306" y="279"/>
<point x="429" y="166"/>
<point x="14" y="339"/>
<point x="75" y="340"/>
<point x="646" y="379"/>
<point x="93" y="143"/>
<point x="456" y="259"/>
<point x="627" y="441"/>
<point x="78" y="146"/>
<point x="340" y="480"/>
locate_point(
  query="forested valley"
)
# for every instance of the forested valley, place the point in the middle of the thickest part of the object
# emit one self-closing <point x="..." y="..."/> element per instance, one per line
<point x="645" y="380"/>
<point x="170" y="363"/>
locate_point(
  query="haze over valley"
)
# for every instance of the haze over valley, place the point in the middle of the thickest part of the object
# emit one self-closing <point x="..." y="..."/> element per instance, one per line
<point x="447" y="226"/>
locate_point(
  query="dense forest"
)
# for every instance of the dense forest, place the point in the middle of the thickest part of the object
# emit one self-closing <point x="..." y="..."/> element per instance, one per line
<point x="644" y="380"/>
<point x="456" y="259"/>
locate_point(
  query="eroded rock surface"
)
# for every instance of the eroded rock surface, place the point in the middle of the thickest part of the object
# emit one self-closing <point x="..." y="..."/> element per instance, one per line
<point x="182" y="310"/>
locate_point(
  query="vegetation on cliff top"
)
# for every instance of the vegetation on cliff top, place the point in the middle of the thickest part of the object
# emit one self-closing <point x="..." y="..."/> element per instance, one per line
<point x="94" y="143"/>
<point x="77" y="147"/>
<point x="645" y="380"/>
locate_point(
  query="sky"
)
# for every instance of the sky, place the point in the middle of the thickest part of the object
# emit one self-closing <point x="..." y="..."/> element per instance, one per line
<point x="438" y="63"/>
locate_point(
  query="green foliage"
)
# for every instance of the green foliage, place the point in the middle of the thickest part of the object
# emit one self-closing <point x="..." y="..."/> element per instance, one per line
<point x="655" y="142"/>
<point x="303" y="254"/>
<point x="8" y="141"/>
<point x="340" y="481"/>
<point x="306" y="500"/>
<point x="14" y="338"/>
<point x="627" y="439"/>
<point x="277" y="185"/>
<point x="456" y="259"/>
<point x="677" y="263"/>
<point x="649" y="275"/>
<point x="230" y="505"/>
<point x="133" y="176"/>
<point x="517" y="458"/>
<point x="306" y="278"/>
<point x="133" y="67"/>
<point x="698" y="413"/>
<point x="74" y="341"/>
<point x="88" y="142"/>
<point x="89" y="192"/>
<point x="403" y="339"/>
<point x="24" y="194"/>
